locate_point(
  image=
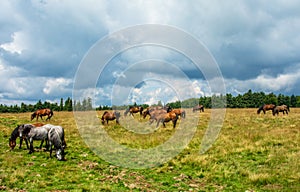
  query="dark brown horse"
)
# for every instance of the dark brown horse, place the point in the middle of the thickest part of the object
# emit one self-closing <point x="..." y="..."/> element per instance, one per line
<point x="265" y="107"/>
<point x="133" y="109"/>
<point x="110" y="116"/>
<point x="42" y="112"/>
<point x="282" y="108"/>
<point x="16" y="133"/>
<point x="198" y="108"/>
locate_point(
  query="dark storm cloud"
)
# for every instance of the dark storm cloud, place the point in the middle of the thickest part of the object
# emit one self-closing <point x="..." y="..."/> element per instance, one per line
<point x="254" y="42"/>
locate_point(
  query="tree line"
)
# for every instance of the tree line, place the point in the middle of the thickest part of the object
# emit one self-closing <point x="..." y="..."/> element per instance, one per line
<point x="247" y="100"/>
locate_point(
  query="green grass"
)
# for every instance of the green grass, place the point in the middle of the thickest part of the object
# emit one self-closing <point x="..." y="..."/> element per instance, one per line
<point x="253" y="152"/>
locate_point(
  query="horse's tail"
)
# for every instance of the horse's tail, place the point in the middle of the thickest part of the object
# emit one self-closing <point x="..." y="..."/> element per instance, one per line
<point x="183" y="114"/>
<point x="126" y="111"/>
<point x="33" y="115"/>
<point x="260" y="109"/>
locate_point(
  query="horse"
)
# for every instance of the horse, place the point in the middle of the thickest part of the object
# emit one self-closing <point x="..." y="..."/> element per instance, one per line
<point x="133" y="109"/>
<point x="198" y="108"/>
<point x="15" y="134"/>
<point x="107" y="116"/>
<point x="150" y="110"/>
<point x="34" y="133"/>
<point x="281" y="108"/>
<point x="166" y="117"/>
<point x="42" y="112"/>
<point x="56" y="138"/>
<point x="266" y="107"/>
<point x="179" y="112"/>
<point x="13" y="137"/>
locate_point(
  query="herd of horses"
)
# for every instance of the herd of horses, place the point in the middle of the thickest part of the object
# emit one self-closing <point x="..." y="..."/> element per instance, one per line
<point x="158" y="114"/>
<point x="54" y="136"/>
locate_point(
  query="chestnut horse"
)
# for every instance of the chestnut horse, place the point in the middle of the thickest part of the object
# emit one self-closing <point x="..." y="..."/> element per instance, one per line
<point x="166" y="117"/>
<point x="110" y="116"/>
<point x="198" y="108"/>
<point x="179" y="112"/>
<point x="42" y="112"/>
<point x="265" y="107"/>
<point x="133" y="109"/>
<point x="281" y="108"/>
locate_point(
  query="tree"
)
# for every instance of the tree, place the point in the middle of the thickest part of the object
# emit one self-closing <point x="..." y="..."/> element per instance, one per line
<point x="61" y="105"/>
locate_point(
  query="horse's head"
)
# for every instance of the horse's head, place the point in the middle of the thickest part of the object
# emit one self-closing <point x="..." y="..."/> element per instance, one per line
<point x="60" y="154"/>
<point x="12" y="143"/>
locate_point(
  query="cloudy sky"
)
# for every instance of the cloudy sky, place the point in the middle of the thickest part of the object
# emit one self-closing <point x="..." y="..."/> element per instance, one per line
<point x="43" y="43"/>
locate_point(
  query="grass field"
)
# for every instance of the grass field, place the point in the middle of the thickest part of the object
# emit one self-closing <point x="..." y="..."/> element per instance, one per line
<point x="252" y="153"/>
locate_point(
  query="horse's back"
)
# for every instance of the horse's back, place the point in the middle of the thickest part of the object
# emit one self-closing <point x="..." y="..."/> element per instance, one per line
<point x="38" y="133"/>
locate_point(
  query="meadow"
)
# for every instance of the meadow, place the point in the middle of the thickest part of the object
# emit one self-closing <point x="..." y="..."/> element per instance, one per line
<point x="252" y="153"/>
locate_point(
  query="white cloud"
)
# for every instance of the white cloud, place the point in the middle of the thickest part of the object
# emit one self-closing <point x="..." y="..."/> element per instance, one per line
<point x="17" y="45"/>
<point x="42" y="43"/>
<point x="56" y="86"/>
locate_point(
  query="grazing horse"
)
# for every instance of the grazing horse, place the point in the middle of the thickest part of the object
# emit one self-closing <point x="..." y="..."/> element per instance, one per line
<point x="198" y="108"/>
<point x="133" y="109"/>
<point x="13" y="137"/>
<point x="34" y="133"/>
<point x="179" y="112"/>
<point x="166" y="117"/>
<point x="265" y="107"/>
<point x="109" y="116"/>
<point x="281" y="108"/>
<point x="150" y="110"/>
<point x="42" y="112"/>
<point x="56" y="138"/>
<point x="15" y="134"/>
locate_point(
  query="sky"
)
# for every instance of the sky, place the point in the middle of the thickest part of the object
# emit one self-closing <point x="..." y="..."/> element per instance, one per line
<point x="255" y="45"/>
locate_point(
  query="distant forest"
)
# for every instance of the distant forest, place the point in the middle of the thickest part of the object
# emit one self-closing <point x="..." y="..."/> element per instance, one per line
<point x="247" y="100"/>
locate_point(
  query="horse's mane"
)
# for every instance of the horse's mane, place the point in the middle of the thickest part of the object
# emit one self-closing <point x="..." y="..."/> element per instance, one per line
<point x="261" y="107"/>
<point x="57" y="136"/>
<point x="15" y="133"/>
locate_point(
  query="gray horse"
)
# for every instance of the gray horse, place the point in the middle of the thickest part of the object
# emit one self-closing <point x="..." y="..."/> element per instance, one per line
<point x="31" y="133"/>
<point x="56" y="138"/>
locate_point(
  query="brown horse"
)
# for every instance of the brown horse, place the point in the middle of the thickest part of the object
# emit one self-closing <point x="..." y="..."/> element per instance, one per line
<point x="179" y="112"/>
<point x="110" y="116"/>
<point x="42" y="112"/>
<point x="150" y="110"/>
<point x="198" y="108"/>
<point x="265" y="107"/>
<point x="133" y="109"/>
<point x="166" y="117"/>
<point x="281" y="108"/>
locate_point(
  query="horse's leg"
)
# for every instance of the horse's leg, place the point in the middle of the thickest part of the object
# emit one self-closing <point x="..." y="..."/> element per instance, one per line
<point x="26" y="143"/>
<point x="174" y="123"/>
<point x="50" y="148"/>
<point x="42" y="143"/>
<point x="21" y="140"/>
<point x="31" y="145"/>
<point x="158" y="121"/>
